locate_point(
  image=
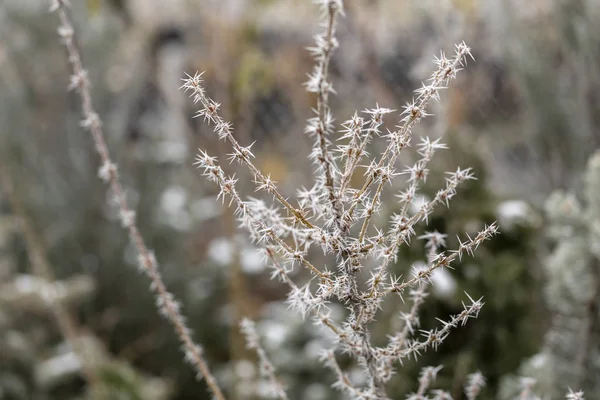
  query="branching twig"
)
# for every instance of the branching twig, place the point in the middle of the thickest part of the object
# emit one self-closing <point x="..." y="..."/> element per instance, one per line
<point x="165" y="301"/>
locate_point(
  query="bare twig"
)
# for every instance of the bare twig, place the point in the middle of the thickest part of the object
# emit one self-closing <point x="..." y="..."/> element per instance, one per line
<point x="166" y="303"/>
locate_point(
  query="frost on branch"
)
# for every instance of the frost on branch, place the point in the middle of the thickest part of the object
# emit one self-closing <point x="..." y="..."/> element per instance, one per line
<point x="337" y="217"/>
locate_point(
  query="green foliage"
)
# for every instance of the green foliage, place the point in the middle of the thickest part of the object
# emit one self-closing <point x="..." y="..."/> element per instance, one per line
<point x="570" y="356"/>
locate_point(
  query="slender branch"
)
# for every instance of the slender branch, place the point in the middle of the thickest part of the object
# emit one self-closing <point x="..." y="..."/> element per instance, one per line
<point x="321" y="125"/>
<point x="165" y="301"/>
<point x="224" y="130"/>
<point x="267" y="369"/>
<point x="413" y="113"/>
<point x="228" y="186"/>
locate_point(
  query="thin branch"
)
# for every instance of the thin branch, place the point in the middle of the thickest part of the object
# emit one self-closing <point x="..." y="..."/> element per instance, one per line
<point x="321" y="125"/>
<point x="165" y="301"/>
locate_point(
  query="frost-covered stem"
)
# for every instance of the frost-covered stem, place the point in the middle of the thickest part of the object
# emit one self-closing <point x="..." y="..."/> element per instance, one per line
<point x="358" y="152"/>
<point x="320" y="84"/>
<point x="426" y="378"/>
<point x="370" y="211"/>
<point x="436" y="336"/>
<point x="384" y="176"/>
<point x="267" y="228"/>
<point x="342" y="383"/>
<point x="266" y="367"/>
<point x="166" y="303"/>
<point x="475" y="383"/>
<point x="320" y="317"/>
<point x="215" y="173"/>
<point x="443" y="260"/>
<point x="403" y="228"/>
<point x="242" y="154"/>
<point x="420" y="277"/>
<point x="283" y="276"/>
<point x="411" y="319"/>
<point x="418" y="173"/>
<point x="279" y="272"/>
<point x="362" y="348"/>
<point x="415" y="111"/>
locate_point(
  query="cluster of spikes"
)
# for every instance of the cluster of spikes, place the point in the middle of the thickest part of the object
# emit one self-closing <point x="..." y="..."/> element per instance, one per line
<point x="336" y="216"/>
<point x="333" y="215"/>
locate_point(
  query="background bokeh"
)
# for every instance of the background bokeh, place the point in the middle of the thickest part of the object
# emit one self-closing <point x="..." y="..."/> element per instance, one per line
<point x="525" y="115"/>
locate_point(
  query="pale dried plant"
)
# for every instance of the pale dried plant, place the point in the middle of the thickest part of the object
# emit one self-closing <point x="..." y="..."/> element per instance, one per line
<point x="332" y="215"/>
<point x="166" y="303"/>
<point x="527" y="391"/>
<point x="267" y="370"/>
<point x="338" y="217"/>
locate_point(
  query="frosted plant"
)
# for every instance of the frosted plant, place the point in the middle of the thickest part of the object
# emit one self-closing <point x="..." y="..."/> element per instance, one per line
<point x="333" y="215"/>
<point x="337" y="217"/>
<point x="267" y="370"/>
<point x="570" y="356"/>
<point x="166" y="303"/>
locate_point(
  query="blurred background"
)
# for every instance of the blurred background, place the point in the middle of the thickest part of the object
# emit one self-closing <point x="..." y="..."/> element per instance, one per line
<point x="525" y="115"/>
